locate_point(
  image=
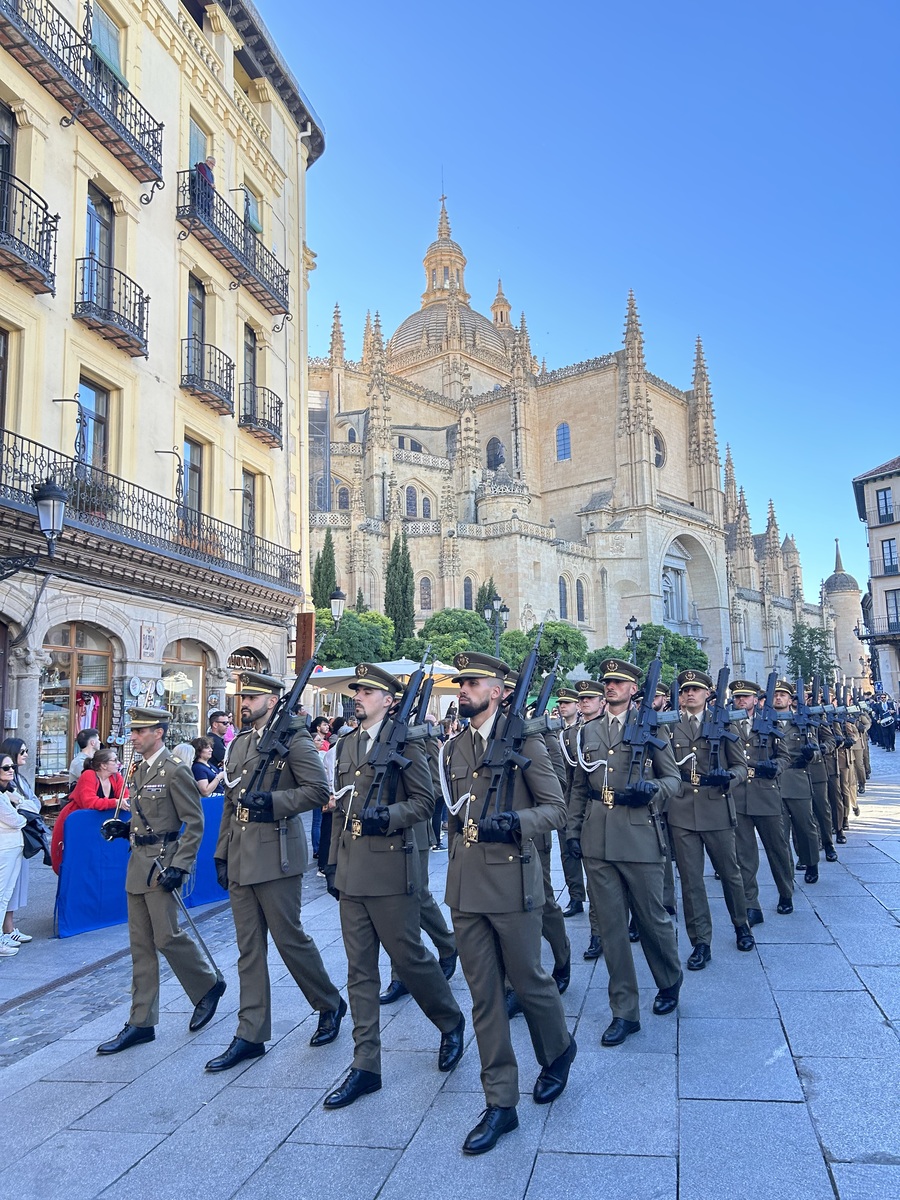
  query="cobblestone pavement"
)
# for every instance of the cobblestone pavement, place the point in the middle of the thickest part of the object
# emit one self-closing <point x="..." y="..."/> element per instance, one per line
<point x="778" y="1076"/>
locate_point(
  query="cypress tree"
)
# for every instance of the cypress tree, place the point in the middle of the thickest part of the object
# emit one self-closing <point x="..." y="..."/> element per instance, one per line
<point x="399" y="591"/>
<point x="324" y="578"/>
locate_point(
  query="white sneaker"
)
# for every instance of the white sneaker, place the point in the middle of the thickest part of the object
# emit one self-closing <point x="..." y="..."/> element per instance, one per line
<point x="7" y="946"/>
<point x="21" y="938"/>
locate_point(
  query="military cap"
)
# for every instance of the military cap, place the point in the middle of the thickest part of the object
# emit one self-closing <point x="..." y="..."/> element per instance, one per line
<point x="511" y="680"/>
<point x="567" y="693"/>
<point x="369" y="675"/>
<point x="617" y="668"/>
<point x="255" y="683"/>
<point x="588" y="687"/>
<point x="782" y="685"/>
<point x="743" y="687"/>
<point x="478" y="666"/>
<point x="148" y="718"/>
<point x="661" y="690"/>
<point x="694" y="679"/>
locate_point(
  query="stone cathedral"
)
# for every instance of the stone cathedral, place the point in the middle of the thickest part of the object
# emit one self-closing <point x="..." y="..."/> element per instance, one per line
<point x="590" y="493"/>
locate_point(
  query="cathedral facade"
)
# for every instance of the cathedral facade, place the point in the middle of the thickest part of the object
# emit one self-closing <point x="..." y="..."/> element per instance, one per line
<point x="589" y="493"/>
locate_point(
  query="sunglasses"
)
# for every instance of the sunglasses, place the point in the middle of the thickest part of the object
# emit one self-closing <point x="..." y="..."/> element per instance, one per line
<point x="8" y="766"/>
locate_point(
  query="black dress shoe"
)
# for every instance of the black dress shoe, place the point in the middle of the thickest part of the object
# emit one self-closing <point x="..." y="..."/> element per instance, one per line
<point x="394" y="991"/>
<point x="841" y="839"/>
<point x="856" y="810"/>
<point x="812" y="875"/>
<point x="513" y="1005"/>
<point x="667" y="998"/>
<point x="594" y="950"/>
<point x="831" y="856"/>
<point x="447" y="965"/>
<point x="495" y="1121"/>
<point x="357" y="1083"/>
<point x="329" y="1024"/>
<point x="633" y="931"/>
<point x="452" y="1046"/>
<point x="755" y="916"/>
<point x="700" y="956"/>
<point x="618" y="1030"/>
<point x="800" y="866"/>
<point x="236" y="1053"/>
<point x="206" y="1007"/>
<point x="744" y="938"/>
<point x="785" y="906"/>
<point x="553" y="1079"/>
<point x="573" y="908"/>
<point x="562" y="975"/>
<point x="131" y="1035"/>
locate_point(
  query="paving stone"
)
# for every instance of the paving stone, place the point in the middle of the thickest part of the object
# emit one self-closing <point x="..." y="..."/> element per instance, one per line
<point x="863" y="1181"/>
<point x="356" y="1174"/>
<point x="869" y="945"/>
<point x="859" y="911"/>
<point x="797" y="928"/>
<point x="658" y="1035"/>
<point x="887" y="894"/>
<point x="19" y="1074"/>
<point x="888" y="846"/>
<point x="836" y="1025"/>
<point x="292" y="1060"/>
<point x="809" y="968"/>
<point x="736" y="1058"/>
<point x="886" y="871"/>
<point x="851" y="1105"/>
<point x="833" y="882"/>
<point x="73" y="1165"/>
<point x="861" y="853"/>
<point x="42" y="1109"/>
<point x="884" y="984"/>
<point x="602" y="1177"/>
<point x="745" y="1150"/>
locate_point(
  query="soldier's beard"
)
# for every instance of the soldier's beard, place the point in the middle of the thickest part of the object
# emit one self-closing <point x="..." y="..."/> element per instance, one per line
<point x="470" y="708"/>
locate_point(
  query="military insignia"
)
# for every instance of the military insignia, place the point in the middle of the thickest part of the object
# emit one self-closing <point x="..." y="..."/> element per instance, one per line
<point x="356" y="828"/>
<point x="470" y="833"/>
<point x="690" y="675"/>
<point x="608" y="797"/>
<point x="462" y="660"/>
<point x="361" y="670"/>
<point x="612" y="666"/>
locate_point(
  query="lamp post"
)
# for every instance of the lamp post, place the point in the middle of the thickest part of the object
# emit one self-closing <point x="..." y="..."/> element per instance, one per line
<point x="496" y="614"/>
<point x="50" y="501"/>
<point x="633" y="633"/>
<point x="337" y="600"/>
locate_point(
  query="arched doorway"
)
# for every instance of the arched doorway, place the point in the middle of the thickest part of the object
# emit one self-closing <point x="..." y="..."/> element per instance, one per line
<point x="184" y="680"/>
<point x="75" y="692"/>
<point x="243" y="659"/>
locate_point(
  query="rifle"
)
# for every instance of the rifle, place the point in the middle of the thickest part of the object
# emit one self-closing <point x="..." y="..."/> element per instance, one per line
<point x="765" y="720"/>
<point x="421" y="728"/>
<point x="673" y="690"/>
<point x="640" y="734"/>
<point x="715" y="730"/>
<point x="539" y="722"/>
<point x="802" y="717"/>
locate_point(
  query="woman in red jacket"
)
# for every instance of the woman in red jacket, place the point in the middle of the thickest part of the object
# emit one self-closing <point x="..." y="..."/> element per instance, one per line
<point x="99" y="786"/>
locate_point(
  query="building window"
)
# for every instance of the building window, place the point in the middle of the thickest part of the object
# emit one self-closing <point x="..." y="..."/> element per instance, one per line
<point x="98" y="248"/>
<point x="468" y="593"/>
<point x="198" y="144"/>
<point x="563" y="443"/>
<point x="495" y="455"/>
<point x="4" y="375"/>
<point x="105" y="39"/>
<point x="401" y="442"/>
<point x="579" y="601"/>
<point x="343" y="498"/>
<point x="351" y="436"/>
<point x="659" y="449"/>
<point x="7" y="140"/>
<point x="196" y="310"/>
<point x="889" y="556"/>
<point x="252" y="216"/>
<point x="415" y="446"/>
<point x="563" y="599"/>
<point x="248" y="507"/>
<point x="885" y="504"/>
<point x="193" y="475"/>
<point x="412" y="502"/>
<point x="425" y="595"/>
<point x="75" y="692"/>
<point x="426" y="508"/>
<point x="94" y="402"/>
<point x="323" y="500"/>
<point x="251" y="355"/>
<point x="446" y="277"/>
<point x="892" y="608"/>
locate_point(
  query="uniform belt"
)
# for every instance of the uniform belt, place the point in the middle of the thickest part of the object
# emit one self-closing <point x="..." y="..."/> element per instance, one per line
<point x="617" y="798"/>
<point x="153" y="839"/>
<point x="245" y="814"/>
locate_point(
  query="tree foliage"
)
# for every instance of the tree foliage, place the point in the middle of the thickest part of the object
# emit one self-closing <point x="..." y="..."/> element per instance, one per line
<point x="558" y="638"/>
<point x="324" y="576"/>
<point x="450" y="631"/>
<point x="360" y="637"/>
<point x="361" y="606"/>
<point x="399" y="592"/>
<point x="677" y="651"/>
<point x="485" y="595"/>
<point x="810" y="653"/>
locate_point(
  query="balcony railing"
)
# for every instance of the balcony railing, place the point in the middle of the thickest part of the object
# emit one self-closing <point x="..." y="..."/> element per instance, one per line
<point x="231" y="240"/>
<point x="139" y="517"/>
<point x="113" y="304"/>
<point x="61" y="59"/>
<point x="27" y="235"/>
<point x="881" y="627"/>
<point x="208" y="374"/>
<point x="878" y="567"/>
<point x="881" y="516"/>
<point x="260" y="413"/>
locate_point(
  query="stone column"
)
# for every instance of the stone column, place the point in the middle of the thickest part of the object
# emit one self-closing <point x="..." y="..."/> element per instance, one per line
<point x="24" y="674"/>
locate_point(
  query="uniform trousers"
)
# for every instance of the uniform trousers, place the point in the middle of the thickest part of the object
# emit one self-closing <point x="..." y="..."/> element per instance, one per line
<point x="822" y="813"/>
<point x="860" y="751"/>
<point x="835" y="802"/>
<point x="778" y="852"/>
<point x="847" y="781"/>
<point x="719" y="844"/>
<point x="274" y="907"/>
<point x="489" y="945"/>
<point x="638" y="886"/>
<point x="368" y="922"/>
<point x="153" y="926"/>
<point x="431" y="919"/>
<point x="799" y="819"/>
<point x="573" y="870"/>
<point x="553" y="923"/>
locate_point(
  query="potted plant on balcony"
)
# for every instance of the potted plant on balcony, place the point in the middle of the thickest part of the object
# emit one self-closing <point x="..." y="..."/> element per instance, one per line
<point x="93" y="496"/>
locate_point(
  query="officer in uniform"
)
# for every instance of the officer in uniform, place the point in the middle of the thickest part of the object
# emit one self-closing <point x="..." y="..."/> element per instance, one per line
<point x="796" y="786"/>
<point x="165" y="832"/>
<point x="847" y="769"/>
<point x="591" y="706"/>
<point x="495" y="891"/>
<point x="818" y="780"/>
<point x="614" y="826"/>
<point x="258" y="830"/>
<point x="567" y="703"/>
<point x="863" y="724"/>
<point x="701" y="817"/>
<point x="757" y="804"/>
<point x="374" y="871"/>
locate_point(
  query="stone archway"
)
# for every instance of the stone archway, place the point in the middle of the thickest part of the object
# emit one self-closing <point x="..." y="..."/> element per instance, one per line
<point x="694" y="595"/>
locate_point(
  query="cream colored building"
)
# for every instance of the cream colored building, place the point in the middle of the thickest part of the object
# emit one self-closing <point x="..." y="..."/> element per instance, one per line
<point x="877" y="494"/>
<point x="589" y="493"/>
<point x="153" y="345"/>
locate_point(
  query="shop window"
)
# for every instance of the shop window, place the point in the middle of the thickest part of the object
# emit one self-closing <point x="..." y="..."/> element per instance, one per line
<point x="75" y="693"/>
<point x="183" y="672"/>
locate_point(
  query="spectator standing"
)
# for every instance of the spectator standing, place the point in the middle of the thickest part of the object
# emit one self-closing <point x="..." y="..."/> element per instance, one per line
<point x="87" y="741"/>
<point x="11" y="844"/>
<point x="320" y="729"/>
<point x="100" y="786"/>
<point x="28" y="805"/>
<point x="209" y="778"/>
<point x="218" y="727"/>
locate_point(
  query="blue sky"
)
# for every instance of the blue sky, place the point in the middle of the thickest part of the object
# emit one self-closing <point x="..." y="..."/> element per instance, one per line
<point x="735" y="164"/>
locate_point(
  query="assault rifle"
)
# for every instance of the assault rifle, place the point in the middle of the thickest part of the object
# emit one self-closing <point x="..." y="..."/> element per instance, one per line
<point x="765" y="720"/>
<point x="539" y="722"/>
<point x="640" y="735"/>
<point x="715" y="730"/>
<point x="504" y="746"/>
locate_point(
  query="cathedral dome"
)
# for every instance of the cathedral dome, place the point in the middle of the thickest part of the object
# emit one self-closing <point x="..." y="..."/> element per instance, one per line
<point x="428" y="327"/>
<point x="840" y="580"/>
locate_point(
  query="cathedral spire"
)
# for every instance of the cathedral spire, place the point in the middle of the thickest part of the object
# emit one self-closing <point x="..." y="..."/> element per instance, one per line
<point x="336" y="350"/>
<point x="634" y="340"/>
<point x="525" y="343"/>
<point x="635" y="417"/>
<point x="444" y="264"/>
<point x="730" y="488"/>
<point x="706" y="474"/>
<point x="501" y="308"/>
<point x="443" y="231"/>
<point x="838" y="565"/>
<point x="379" y="428"/>
<point x="367" y="340"/>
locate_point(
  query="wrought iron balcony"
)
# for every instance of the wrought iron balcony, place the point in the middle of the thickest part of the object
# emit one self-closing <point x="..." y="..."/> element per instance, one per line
<point x="208" y="374"/>
<point x="882" y="516"/>
<point x="260" y="414"/>
<point x="27" y="235"/>
<point x="113" y="304"/>
<point x="231" y="240"/>
<point x="61" y="59"/>
<point x="879" y="629"/>
<point x="139" y="518"/>
<point x="881" y="566"/>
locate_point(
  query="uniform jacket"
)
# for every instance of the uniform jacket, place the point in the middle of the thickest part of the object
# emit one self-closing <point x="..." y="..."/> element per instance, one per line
<point x="758" y="797"/>
<point x="167" y="795"/>
<point x="498" y="877"/>
<point x="375" y="865"/>
<point x="569" y="737"/>
<point x="253" y="848"/>
<point x="694" y="806"/>
<point x="621" y="833"/>
<point x="796" y="780"/>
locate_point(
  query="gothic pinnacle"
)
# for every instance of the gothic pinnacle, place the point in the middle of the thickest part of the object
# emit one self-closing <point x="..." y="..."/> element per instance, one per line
<point x="336" y="350"/>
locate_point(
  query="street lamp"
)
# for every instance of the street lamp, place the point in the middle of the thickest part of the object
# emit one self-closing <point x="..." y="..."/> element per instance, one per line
<point x="496" y="614"/>
<point x="50" y="501"/>
<point x="337" y="600"/>
<point x="633" y="633"/>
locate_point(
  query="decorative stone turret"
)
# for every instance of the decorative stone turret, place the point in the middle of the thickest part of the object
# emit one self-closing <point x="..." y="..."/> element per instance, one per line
<point x="730" y="510"/>
<point x="499" y="496"/>
<point x="444" y="263"/>
<point x="501" y="310"/>
<point x="336" y="350"/>
<point x="704" y="450"/>
<point x="635" y="424"/>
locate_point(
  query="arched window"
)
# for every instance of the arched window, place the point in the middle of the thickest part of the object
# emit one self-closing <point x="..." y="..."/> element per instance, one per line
<point x="563" y="599"/>
<point x="343" y="499"/>
<point x="579" y="600"/>
<point x="412" y="502"/>
<point x="426" y="508"/>
<point x="425" y="595"/>
<point x="322" y="498"/>
<point x="563" y="442"/>
<point x="495" y="455"/>
<point x="659" y="449"/>
<point x="351" y="435"/>
<point x="468" y="593"/>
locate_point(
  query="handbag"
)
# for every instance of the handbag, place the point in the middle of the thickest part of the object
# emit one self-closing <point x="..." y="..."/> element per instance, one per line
<point x="36" y="838"/>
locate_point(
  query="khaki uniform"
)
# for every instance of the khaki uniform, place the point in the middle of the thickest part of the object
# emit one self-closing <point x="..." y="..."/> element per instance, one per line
<point x="380" y="880"/>
<point x="700" y="818"/>
<point x="166" y="794"/>
<point x="265" y="899"/>
<point x="863" y="724"/>
<point x="496" y="895"/>
<point x="818" y="779"/>
<point x="847" y="771"/>
<point x="625" y="861"/>
<point x="797" y="794"/>
<point x="573" y="868"/>
<point x="758" y="807"/>
<point x="553" y="923"/>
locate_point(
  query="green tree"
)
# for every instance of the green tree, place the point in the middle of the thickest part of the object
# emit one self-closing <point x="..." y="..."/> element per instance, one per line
<point x="810" y="653"/>
<point x="677" y="651"/>
<point x="361" y="606"/>
<point x="399" y="591"/>
<point x="559" y="638"/>
<point x="485" y="595"/>
<point x="450" y="631"/>
<point x="360" y="637"/>
<point x="595" y="657"/>
<point x="324" y="577"/>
